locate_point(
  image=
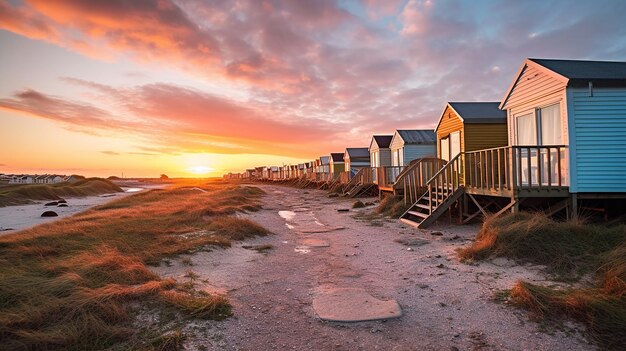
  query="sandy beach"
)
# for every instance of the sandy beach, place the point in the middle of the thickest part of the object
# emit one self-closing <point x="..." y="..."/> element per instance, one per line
<point x="15" y="218"/>
<point x="446" y="304"/>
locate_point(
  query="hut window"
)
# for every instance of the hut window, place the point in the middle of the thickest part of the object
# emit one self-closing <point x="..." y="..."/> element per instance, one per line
<point x="550" y="125"/>
<point x="526" y="130"/>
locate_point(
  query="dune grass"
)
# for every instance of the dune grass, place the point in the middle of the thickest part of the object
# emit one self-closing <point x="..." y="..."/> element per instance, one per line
<point x="569" y="251"/>
<point x="80" y="283"/>
<point x="392" y="206"/>
<point x="21" y="194"/>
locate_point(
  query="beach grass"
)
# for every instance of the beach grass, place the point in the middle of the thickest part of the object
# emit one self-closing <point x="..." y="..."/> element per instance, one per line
<point x="21" y="194"/>
<point x="569" y="251"/>
<point x="391" y="206"/>
<point x="81" y="283"/>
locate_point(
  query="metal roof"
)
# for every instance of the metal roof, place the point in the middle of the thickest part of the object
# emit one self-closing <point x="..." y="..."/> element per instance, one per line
<point x="337" y="156"/>
<point x="585" y="70"/>
<point x="324" y="160"/>
<point x="479" y="112"/>
<point x="383" y="141"/>
<point x="356" y="152"/>
<point x="417" y="136"/>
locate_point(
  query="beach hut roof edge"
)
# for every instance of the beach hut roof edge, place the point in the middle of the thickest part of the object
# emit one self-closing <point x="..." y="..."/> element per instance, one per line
<point x="417" y="136"/>
<point x="573" y="71"/>
<point x="358" y="152"/>
<point x="476" y="112"/>
<point x="383" y="141"/>
<point x="337" y="156"/>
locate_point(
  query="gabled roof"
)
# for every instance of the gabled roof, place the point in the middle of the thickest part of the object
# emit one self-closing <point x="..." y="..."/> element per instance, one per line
<point x="337" y="156"/>
<point x="357" y="152"/>
<point x="585" y="70"/>
<point x="324" y="160"/>
<point x="574" y="71"/>
<point x="417" y="136"/>
<point x="476" y="112"/>
<point x="383" y="141"/>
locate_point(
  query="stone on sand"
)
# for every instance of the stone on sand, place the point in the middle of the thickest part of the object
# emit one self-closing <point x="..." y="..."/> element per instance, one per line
<point x="352" y="305"/>
<point x="312" y="242"/>
<point x="49" y="214"/>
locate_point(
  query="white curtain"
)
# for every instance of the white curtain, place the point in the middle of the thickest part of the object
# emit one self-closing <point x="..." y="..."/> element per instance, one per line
<point x="526" y="130"/>
<point x="551" y="125"/>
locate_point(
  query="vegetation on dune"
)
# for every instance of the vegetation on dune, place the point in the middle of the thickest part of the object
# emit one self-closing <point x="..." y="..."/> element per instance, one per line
<point x="569" y="251"/>
<point x="20" y="194"/>
<point x="358" y="204"/>
<point x="80" y="283"/>
<point x="392" y="206"/>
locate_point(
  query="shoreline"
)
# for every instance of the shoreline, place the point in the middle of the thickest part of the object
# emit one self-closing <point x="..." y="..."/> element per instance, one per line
<point x="18" y="217"/>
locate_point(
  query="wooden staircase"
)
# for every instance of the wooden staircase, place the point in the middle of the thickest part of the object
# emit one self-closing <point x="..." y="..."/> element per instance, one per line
<point x="443" y="190"/>
<point x="360" y="184"/>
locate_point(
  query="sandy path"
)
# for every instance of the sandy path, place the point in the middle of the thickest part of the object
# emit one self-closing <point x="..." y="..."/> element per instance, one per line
<point x="446" y="305"/>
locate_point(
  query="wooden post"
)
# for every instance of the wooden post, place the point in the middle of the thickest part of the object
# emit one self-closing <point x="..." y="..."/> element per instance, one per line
<point x="574" y="207"/>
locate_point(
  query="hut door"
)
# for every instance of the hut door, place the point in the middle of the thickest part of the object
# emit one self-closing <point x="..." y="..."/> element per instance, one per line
<point x="455" y="144"/>
<point x="445" y="148"/>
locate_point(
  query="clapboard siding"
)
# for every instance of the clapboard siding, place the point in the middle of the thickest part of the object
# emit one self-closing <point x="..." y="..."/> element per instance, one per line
<point x="599" y="123"/>
<point x="533" y="84"/>
<point x="535" y="89"/>
<point x="450" y="122"/>
<point x="413" y="152"/>
<point x="485" y="136"/>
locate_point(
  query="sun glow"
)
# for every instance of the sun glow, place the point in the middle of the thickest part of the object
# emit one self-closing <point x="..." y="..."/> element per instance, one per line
<point x="200" y="170"/>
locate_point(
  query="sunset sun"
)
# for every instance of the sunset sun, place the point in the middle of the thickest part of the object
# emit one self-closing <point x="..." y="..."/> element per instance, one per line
<point x="200" y="170"/>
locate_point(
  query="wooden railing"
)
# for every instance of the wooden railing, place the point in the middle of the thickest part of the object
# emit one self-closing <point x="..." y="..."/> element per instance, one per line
<point x="413" y="178"/>
<point x="386" y="176"/>
<point x="445" y="182"/>
<point x="516" y="168"/>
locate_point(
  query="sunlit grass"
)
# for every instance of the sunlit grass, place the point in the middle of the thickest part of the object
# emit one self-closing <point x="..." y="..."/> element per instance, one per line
<point x="79" y="283"/>
<point x="569" y="251"/>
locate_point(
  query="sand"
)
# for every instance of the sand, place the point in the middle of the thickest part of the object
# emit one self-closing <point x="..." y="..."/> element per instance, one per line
<point x="446" y="304"/>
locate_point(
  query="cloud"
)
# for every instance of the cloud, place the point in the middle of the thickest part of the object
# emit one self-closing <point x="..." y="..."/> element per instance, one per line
<point x="110" y="153"/>
<point x="173" y="119"/>
<point x="317" y="75"/>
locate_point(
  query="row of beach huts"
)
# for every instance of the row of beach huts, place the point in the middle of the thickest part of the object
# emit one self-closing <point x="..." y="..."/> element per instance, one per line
<point x="37" y="178"/>
<point x="555" y="142"/>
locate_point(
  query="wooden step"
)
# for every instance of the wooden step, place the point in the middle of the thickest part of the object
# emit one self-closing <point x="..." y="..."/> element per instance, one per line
<point x="424" y="206"/>
<point x="418" y="214"/>
<point x="409" y="222"/>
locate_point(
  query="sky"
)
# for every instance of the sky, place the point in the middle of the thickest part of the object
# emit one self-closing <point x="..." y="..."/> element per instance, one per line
<point x="202" y="88"/>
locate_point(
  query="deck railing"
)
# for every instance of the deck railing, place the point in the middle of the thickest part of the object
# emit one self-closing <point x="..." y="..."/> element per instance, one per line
<point x="344" y="177"/>
<point x="516" y="169"/>
<point x="413" y="178"/>
<point x="386" y="176"/>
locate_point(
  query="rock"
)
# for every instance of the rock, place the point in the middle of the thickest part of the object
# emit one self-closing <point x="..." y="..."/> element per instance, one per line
<point x="352" y="305"/>
<point x="62" y="205"/>
<point x="62" y="201"/>
<point x="333" y="195"/>
<point x="53" y="203"/>
<point x="436" y="233"/>
<point x="342" y="210"/>
<point x="49" y="214"/>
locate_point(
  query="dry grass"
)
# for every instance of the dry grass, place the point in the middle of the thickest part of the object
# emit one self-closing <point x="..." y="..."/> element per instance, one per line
<point x="568" y="250"/>
<point x="78" y="283"/>
<point x="20" y="194"/>
<point x="392" y="206"/>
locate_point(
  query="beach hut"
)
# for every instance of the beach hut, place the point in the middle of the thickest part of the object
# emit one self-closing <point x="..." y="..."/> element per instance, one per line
<point x="409" y="144"/>
<point x="579" y="105"/>
<point x="470" y="126"/>
<point x="336" y="165"/>
<point x="323" y="168"/>
<point x="564" y="146"/>
<point x="274" y="172"/>
<point x="380" y="153"/>
<point x="356" y="158"/>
